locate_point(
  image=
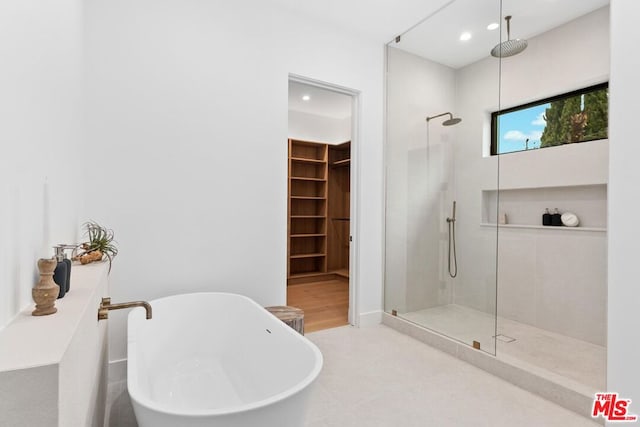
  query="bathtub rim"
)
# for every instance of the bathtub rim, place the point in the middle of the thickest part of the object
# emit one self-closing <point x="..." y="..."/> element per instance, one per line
<point x="141" y="399"/>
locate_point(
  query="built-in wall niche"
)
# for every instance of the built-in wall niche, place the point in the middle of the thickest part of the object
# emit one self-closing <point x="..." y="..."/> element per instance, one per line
<point x="525" y="206"/>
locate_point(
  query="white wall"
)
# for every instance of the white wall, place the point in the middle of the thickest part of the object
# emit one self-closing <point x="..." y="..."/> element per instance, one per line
<point x="40" y="171"/>
<point x="560" y="166"/>
<point x="417" y="169"/>
<point x="188" y="106"/>
<point x="623" y="352"/>
<point x="562" y="59"/>
<point x="317" y="128"/>
<point x="553" y="280"/>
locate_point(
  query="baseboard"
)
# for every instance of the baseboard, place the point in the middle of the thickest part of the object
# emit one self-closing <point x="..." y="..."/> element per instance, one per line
<point x="117" y="370"/>
<point x="370" y="318"/>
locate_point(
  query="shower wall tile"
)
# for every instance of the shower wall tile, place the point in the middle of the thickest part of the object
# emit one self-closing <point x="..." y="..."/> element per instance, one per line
<point x="475" y="286"/>
<point x="572" y="283"/>
<point x="423" y="230"/>
<point x="554" y="280"/>
<point x="417" y="180"/>
<point x="567" y="296"/>
<point x="517" y="268"/>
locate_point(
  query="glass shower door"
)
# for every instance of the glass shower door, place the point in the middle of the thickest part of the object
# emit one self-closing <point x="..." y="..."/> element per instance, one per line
<point x="441" y="189"/>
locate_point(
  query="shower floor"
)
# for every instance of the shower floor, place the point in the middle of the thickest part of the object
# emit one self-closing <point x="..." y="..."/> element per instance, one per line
<point x="572" y="359"/>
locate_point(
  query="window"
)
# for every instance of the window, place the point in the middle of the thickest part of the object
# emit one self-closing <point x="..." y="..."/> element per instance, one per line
<point x="578" y="116"/>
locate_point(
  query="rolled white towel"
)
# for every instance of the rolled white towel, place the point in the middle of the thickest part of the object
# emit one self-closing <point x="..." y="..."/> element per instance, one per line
<point x="570" y="219"/>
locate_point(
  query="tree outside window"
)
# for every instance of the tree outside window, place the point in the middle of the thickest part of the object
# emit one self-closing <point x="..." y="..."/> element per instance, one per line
<point x="577" y="116"/>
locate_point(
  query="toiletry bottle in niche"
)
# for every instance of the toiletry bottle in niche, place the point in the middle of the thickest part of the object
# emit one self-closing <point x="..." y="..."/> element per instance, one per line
<point x="546" y="217"/>
<point x="68" y="262"/>
<point x="556" y="218"/>
<point x="60" y="273"/>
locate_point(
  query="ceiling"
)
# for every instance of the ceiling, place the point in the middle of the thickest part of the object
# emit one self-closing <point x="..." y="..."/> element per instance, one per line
<point x="438" y="38"/>
<point x="322" y="102"/>
<point x="377" y="20"/>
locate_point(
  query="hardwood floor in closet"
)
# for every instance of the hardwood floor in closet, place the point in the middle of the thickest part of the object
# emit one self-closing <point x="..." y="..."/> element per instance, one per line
<point x="325" y="304"/>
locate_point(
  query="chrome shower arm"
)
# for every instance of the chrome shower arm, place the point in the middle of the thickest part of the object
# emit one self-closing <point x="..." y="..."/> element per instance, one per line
<point x="440" y="115"/>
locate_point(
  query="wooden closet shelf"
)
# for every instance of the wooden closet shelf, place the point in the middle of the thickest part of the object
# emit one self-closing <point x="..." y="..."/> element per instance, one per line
<point x="308" y="235"/>
<point x="344" y="162"/>
<point x="308" y="197"/>
<point x="341" y="219"/>
<point x="307" y="216"/>
<point x="304" y="178"/>
<point x="316" y="255"/>
<point x="307" y="274"/>
<point x="306" y="160"/>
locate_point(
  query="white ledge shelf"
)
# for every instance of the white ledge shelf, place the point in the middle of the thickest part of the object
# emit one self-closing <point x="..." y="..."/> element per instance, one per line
<point x="545" y="227"/>
<point x="32" y="341"/>
<point x="54" y="367"/>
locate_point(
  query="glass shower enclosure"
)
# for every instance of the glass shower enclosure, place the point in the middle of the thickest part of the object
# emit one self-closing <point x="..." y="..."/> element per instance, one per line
<point x="441" y="182"/>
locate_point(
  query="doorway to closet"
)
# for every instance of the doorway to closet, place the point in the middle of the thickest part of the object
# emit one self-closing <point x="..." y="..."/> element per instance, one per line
<point x="319" y="204"/>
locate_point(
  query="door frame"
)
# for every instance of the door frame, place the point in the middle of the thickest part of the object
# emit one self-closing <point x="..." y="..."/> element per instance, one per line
<point x="354" y="183"/>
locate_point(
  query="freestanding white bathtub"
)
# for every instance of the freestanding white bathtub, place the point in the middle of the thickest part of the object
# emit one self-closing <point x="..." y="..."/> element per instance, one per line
<point x="217" y="359"/>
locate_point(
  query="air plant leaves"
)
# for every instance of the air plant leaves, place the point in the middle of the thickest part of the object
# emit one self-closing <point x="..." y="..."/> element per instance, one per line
<point x="100" y="239"/>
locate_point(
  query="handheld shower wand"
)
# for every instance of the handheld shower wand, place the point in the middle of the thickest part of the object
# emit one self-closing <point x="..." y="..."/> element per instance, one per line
<point x="452" y="262"/>
<point x="453" y="217"/>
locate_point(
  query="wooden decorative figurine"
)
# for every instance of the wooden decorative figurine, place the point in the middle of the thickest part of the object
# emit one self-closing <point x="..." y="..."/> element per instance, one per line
<point x="46" y="291"/>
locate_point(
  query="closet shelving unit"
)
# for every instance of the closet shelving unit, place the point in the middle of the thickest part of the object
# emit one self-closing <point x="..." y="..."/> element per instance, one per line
<point x="315" y="205"/>
<point x="307" y="229"/>
<point x="338" y="207"/>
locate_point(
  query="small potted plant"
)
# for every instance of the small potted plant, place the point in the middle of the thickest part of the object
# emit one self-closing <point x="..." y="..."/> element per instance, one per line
<point x="100" y="245"/>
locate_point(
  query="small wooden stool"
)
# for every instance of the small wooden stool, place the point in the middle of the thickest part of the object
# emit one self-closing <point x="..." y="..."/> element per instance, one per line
<point x="292" y="316"/>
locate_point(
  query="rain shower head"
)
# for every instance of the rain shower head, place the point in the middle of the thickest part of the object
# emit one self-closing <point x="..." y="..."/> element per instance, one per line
<point x="509" y="47"/>
<point x="449" y="122"/>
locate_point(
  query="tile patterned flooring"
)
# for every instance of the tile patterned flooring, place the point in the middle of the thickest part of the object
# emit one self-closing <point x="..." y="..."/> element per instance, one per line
<point x="576" y="360"/>
<point x="375" y="377"/>
<point x="379" y="377"/>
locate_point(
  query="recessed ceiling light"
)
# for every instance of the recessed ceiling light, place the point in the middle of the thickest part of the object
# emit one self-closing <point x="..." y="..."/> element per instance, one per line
<point x="465" y="36"/>
<point x="306" y="97"/>
<point x="492" y="26"/>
